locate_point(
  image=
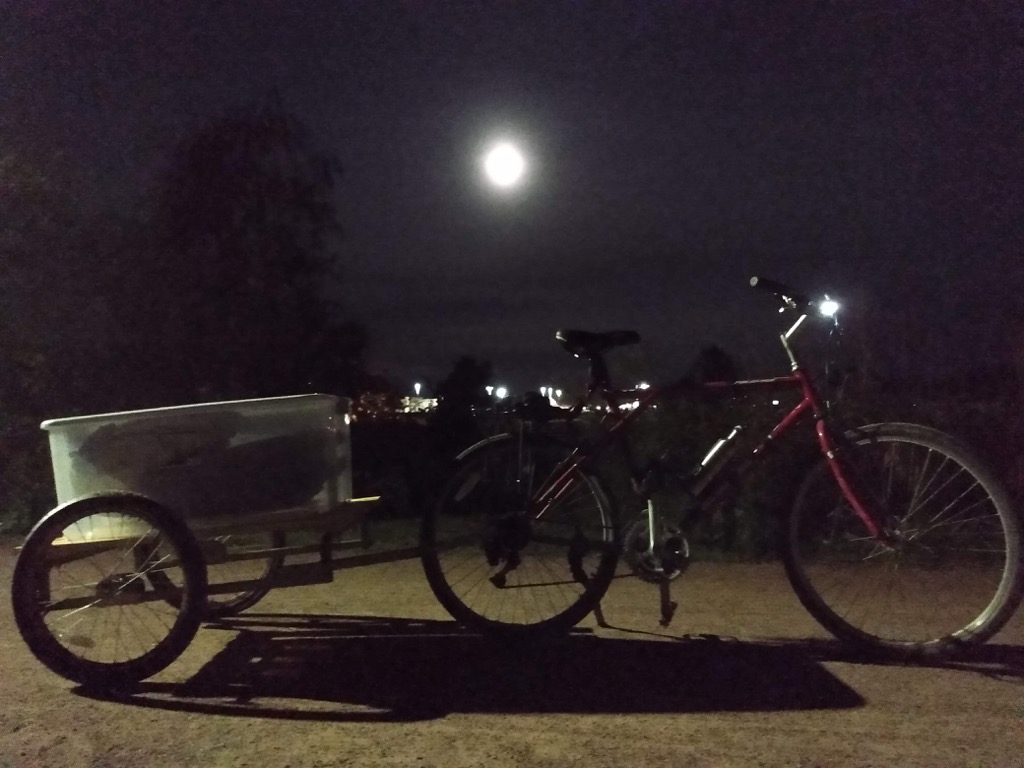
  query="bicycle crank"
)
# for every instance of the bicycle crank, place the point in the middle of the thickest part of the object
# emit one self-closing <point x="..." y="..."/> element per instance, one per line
<point x="667" y="560"/>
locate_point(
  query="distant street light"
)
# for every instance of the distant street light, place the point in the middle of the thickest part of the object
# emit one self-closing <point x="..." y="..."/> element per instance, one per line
<point x="416" y="388"/>
<point x="501" y="393"/>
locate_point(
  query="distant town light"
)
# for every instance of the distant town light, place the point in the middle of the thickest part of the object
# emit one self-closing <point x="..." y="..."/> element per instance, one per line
<point x="416" y="388"/>
<point x="490" y="390"/>
<point x="501" y="393"/>
<point x="643" y="385"/>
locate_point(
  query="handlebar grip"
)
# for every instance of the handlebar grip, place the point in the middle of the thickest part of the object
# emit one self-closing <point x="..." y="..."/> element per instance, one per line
<point x="787" y="295"/>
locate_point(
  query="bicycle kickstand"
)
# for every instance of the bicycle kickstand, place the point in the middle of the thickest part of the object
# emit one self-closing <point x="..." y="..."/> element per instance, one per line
<point x="668" y="605"/>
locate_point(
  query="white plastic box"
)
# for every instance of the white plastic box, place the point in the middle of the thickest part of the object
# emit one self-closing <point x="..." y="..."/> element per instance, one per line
<point x="212" y="460"/>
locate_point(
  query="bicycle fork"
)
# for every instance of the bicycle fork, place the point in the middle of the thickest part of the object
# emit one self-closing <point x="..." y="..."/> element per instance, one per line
<point x="846" y="480"/>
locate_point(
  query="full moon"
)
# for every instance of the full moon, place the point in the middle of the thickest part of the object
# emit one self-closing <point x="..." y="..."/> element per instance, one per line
<point x="504" y="165"/>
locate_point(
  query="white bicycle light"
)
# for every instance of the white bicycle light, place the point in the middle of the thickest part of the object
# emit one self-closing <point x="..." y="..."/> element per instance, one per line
<point x="828" y="307"/>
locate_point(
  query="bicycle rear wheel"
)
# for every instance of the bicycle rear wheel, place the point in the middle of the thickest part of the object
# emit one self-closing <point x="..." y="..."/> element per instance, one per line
<point x="950" y="577"/>
<point x="95" y="610"/>
<point x="495" y="569"/>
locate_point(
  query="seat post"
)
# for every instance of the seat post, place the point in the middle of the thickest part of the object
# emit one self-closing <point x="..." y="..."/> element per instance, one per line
<point x="598" y="371"/>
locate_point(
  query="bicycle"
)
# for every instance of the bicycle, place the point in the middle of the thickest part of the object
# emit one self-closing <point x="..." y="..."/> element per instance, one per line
<point x="900" y="540"/>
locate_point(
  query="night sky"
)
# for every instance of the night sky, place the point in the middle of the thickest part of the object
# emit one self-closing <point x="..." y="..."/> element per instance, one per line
<point x="874" y="149"/>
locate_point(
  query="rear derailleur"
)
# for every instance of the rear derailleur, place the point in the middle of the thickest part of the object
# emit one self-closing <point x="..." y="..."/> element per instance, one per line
<point x="504" y="540"/>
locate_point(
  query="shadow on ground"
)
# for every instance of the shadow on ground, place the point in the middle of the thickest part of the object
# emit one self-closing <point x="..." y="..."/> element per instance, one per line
<point x="365" y="669"/>
<point x="997" y="661"/>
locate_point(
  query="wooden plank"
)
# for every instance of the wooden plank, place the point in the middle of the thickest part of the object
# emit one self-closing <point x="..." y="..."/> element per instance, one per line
<point x="343" y="516"/>
<point x="294" y="575"/>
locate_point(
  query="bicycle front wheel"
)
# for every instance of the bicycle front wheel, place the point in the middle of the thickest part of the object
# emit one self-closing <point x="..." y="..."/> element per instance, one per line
<point x="496" y="568"/>
<point x="950" y="575"/>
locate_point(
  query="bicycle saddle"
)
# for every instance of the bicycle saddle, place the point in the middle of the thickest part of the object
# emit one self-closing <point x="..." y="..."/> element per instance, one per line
<point x="588" y="344"/>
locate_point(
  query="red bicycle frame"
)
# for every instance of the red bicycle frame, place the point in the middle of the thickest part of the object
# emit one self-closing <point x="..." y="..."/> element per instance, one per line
<point x="617" y="420"/>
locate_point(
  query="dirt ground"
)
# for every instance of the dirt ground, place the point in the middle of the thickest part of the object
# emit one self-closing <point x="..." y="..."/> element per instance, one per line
<point x="369" y="671"/>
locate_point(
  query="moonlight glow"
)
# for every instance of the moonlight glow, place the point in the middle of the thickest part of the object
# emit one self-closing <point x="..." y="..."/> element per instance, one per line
<point x="504" y="165"/>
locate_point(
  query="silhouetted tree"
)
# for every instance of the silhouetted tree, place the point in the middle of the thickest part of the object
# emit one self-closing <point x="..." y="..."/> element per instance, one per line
<point x="223" y="289"/>
<point x="714" y="364"/>
<point x="48" y="332"/>
<point x="237" y="291"/>
<point x="458" y="395"/>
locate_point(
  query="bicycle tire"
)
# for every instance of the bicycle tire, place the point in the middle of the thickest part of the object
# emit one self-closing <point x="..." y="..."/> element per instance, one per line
<point x="88" y="613"/>
<point x="952" y="576"/>
<point x="261" y="570"/>
<point x="565" y="562"/>
<point x="221" y="568"/>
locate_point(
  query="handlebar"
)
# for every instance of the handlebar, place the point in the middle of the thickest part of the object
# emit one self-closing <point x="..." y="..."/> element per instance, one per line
<point x="790" y="298"/>
<point x="593" y="345"/>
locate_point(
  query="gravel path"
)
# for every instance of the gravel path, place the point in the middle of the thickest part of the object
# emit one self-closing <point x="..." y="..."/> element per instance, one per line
<point x="369" y="671"/>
